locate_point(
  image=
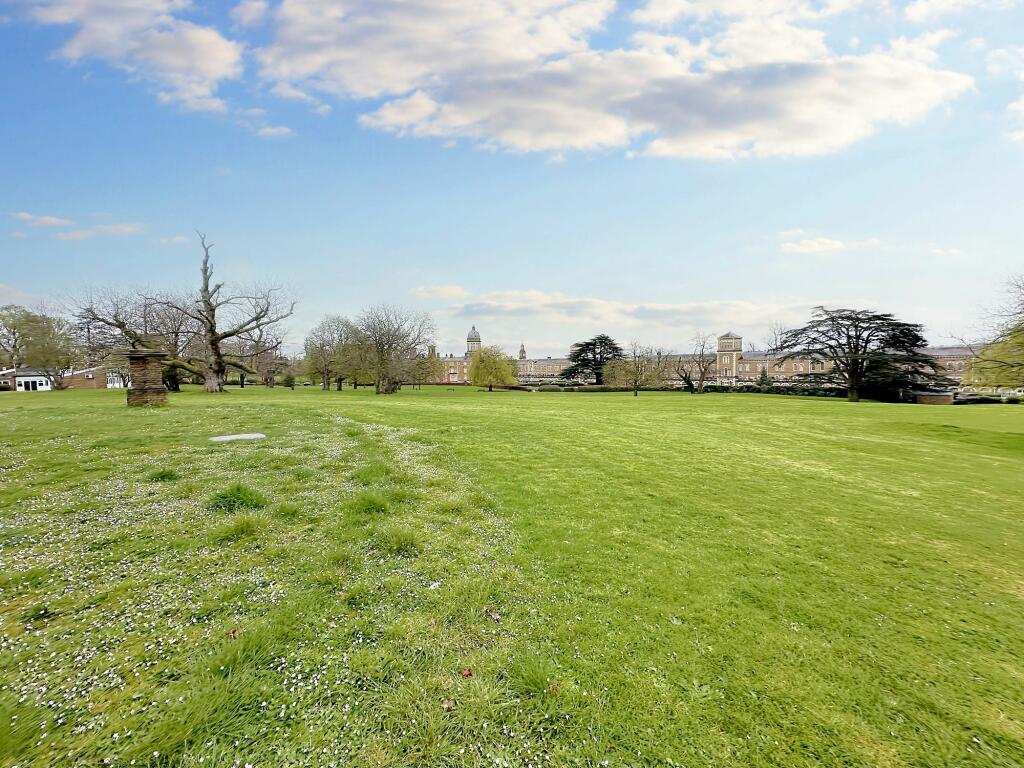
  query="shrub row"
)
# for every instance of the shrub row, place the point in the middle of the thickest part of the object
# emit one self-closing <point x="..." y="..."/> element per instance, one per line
<point x="741" y="388"/>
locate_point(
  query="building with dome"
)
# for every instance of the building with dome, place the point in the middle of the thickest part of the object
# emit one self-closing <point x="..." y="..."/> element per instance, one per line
<point x="454" y="369"/>
<point x="730" y="364"/>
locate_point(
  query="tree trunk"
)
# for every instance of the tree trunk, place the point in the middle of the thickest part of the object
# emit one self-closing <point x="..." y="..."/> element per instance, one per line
<point x="213" y="380"/>
<point x="325" y="382"/>
<point x="171" y="380"/>
<point x="338" y="383"/>
<point x="636" y="392"/>
<point x="852" y="395"/>
<point x="490" y="387"/>
<point x="241" y="380"/>
<point x="216" y="369"/>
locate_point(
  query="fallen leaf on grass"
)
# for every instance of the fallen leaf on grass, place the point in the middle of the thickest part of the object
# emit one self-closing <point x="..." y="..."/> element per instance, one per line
<point x="467" y="672"/>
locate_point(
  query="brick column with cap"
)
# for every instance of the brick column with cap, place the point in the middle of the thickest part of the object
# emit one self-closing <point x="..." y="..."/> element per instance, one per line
<point x="144" y="362"/>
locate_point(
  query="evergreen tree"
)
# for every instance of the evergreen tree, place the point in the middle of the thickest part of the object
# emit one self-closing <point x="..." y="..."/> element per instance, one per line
<point x="870" y="352"/>
<point x="589" y="358"/>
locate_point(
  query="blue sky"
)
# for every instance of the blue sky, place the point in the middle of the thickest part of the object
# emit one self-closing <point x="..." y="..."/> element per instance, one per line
<point x="543" y="169"/>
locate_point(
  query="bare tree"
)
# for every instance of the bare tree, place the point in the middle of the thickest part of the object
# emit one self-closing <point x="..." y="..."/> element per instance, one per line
<point x="394" y="336"/>
<point x="773" y="341"/>
<point x="695" y="368"/>
<point x="108" y="321"/>
<point x="642" y="366"/>
<point x="999" y="360"/>
<point x="223" y="316"/>
<point x="324" y="345"/>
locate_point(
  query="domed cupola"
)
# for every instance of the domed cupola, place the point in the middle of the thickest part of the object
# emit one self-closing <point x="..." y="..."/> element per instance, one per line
<point x="472" y="341"/>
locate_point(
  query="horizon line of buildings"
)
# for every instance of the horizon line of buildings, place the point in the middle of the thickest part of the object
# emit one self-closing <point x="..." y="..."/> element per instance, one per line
<point x="731" y="365"/>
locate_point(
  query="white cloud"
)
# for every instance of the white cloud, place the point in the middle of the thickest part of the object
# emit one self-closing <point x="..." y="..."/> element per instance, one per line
<point x="923" y="11"/>
<point x="249" y="13"/>
<point x="41" y="221"/>
<point x="1010" y="62"/>
<point x="716" y="79"/>
<point x="558" y="308"/>
<point x="815" y="245"/>
<point x="113" y="230"/>
<point x="524" y="76"/>
<point x="174" y="240"/>
<point x="187" y="61"/>
<point x="18" y="234"/>
<point x="274" y="132"/>
<point x="447" y="292"/>
<point x="664" y="12"/>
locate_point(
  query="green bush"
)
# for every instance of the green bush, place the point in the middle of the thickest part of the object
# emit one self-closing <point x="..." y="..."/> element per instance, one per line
<point x="237" y="497"/>
<point x="1013" y="400"/>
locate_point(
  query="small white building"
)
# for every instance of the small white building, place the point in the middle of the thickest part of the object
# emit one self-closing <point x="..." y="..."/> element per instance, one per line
<point x="26" y="380"/>
<point x="38" y="380"/>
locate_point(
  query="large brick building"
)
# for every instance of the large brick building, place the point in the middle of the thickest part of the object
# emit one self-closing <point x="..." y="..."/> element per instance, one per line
<point x="731" y="364"/>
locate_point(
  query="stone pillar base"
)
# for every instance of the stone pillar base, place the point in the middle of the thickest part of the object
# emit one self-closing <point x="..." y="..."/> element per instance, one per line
<point x="147" y="396"/>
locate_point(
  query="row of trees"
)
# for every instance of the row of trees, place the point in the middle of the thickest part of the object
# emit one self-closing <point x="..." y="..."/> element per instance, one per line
<point x="603" y="361"/>
<point x="867" y="353"/>
<point x="385" y="346"/>
<point x="203" y="333"/>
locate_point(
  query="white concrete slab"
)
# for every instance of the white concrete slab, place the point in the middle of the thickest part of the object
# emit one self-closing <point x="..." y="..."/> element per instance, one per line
<point x="229" y="438"/>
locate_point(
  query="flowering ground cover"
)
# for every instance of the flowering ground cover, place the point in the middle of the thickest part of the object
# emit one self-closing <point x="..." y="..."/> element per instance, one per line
<point x="514" y="579"/>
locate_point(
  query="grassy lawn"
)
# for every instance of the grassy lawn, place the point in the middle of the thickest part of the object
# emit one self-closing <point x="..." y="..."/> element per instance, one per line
<point x="510" y="579"/>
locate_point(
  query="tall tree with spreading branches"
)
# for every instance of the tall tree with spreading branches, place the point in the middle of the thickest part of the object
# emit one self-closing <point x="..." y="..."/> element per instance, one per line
<point x="324" y="345"/>
<point x="868" y="350"/>
<point x="588" y="358"/>
<point x="223" y="316"/>
<point x="695" y="368"/>
<point x="641" y="366"/>
<point x="394" y="337"/>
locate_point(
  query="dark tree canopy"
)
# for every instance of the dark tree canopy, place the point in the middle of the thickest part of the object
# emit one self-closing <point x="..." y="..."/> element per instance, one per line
<point x="870" y="352"/>
<point x="589" y="357"/>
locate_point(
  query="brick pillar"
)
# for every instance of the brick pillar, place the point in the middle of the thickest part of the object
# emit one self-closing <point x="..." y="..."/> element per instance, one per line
<point x="147" y="387"/>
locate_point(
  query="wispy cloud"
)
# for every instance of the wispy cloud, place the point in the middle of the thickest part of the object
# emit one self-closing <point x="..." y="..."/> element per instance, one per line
<point x="274" y="132"/>
<point x="815" y="246"/>
<point x="34" y="220"/>
<point x="444" y="292"/>
<point x="186" y="61"/>
<point x="113" y="230"/>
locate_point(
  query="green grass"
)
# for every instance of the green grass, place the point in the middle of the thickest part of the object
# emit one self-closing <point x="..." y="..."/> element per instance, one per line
<point x="724" y="580"/>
